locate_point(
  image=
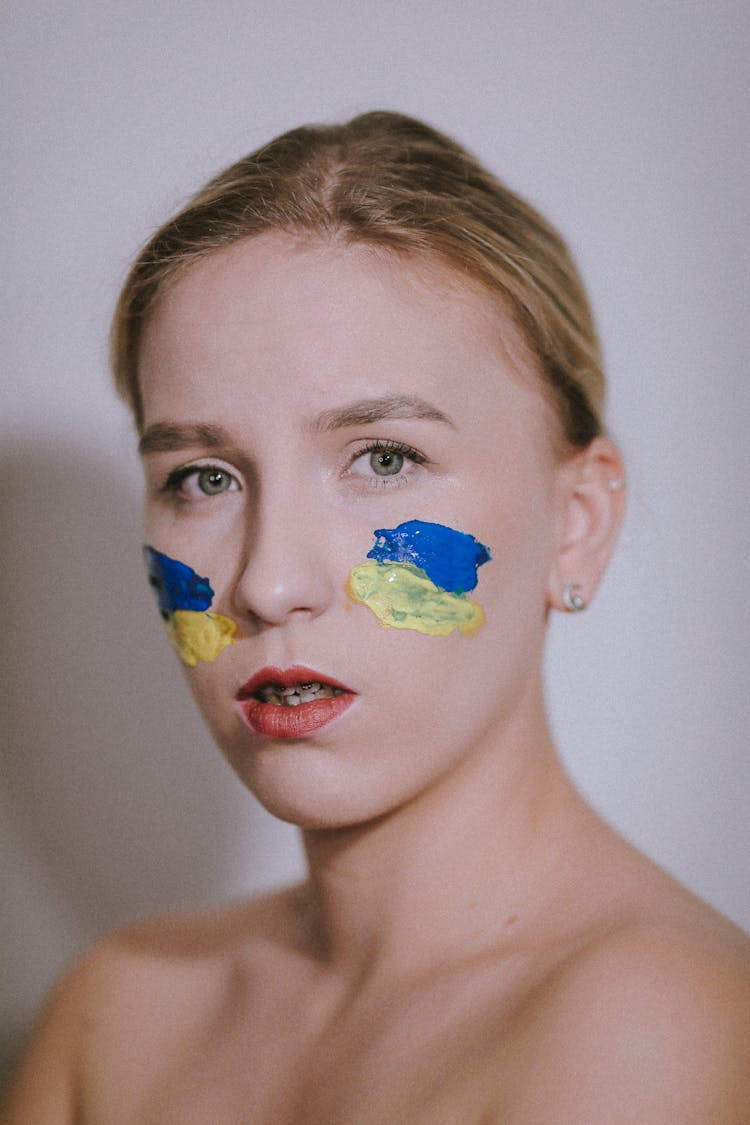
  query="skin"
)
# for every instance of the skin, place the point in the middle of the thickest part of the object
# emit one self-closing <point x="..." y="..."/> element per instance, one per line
<point x="472" y="944"/>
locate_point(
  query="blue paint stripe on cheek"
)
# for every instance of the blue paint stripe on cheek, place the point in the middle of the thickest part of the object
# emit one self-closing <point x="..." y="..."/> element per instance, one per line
<point x="177" y="586"/>
<point x="450" y="558"/>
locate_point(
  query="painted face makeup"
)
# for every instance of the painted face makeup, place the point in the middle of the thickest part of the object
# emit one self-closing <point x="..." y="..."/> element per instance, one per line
<point x="184" y="598"/>
<point x="419" y="579"/>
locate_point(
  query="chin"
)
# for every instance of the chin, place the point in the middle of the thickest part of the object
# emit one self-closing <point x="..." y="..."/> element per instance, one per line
<point x="314" y="811"/>
<point x="316" y="790"/>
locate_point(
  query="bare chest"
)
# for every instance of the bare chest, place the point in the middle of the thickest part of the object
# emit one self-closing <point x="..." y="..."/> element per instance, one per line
<point x="429" y="1057"/>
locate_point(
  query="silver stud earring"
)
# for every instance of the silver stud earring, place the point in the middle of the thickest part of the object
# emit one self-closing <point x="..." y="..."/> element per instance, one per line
<point x="572" y="599"/>
<point x="616" y="485"/>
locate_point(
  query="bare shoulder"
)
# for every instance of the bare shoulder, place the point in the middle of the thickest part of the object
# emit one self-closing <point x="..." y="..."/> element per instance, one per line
<point x="649" y="1022"/>
<point x="138" y="995"/>
<point x="43" y="1088"/>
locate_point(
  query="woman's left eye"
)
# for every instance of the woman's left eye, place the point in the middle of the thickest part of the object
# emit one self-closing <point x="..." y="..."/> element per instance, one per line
<point x="386" y="463"/>
<point x="195" y="481"/>
<point x="383" y="460"/>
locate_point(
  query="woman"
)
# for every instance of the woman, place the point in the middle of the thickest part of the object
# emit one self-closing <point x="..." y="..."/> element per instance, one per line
<point x="369" y="394"/>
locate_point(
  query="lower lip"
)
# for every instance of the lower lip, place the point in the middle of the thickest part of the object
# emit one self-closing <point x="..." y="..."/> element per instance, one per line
<point x="274" y="721"/>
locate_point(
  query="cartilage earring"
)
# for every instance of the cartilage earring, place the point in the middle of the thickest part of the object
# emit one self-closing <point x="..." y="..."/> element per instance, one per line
<point x="572" y="599"/>
<point x="616" y="485"/>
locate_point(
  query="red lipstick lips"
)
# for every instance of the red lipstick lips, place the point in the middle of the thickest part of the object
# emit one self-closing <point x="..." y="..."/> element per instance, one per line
<point x="291" y="703"/>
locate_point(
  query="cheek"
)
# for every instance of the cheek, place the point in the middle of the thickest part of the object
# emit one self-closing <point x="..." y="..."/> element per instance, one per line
<point x="184" y="598"/>
<point x="514" y="595"/>
<point x="200" y="636"/>
<point x="479" y="647"/>
<point x="402" y="597"/>
<point x="420" y="577"/>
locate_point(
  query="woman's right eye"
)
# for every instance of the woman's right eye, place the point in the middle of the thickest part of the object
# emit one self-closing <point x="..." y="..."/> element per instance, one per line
<point x="195" y="482"/>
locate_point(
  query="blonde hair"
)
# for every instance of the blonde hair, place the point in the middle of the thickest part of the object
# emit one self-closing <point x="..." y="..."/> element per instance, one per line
<point x="387" y="180"/>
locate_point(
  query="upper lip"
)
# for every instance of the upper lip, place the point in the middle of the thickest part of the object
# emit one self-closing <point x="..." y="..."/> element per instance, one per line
<point x="289" y="677"/>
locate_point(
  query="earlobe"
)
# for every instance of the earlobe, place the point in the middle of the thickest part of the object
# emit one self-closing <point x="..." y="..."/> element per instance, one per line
<point x="592" y="507"/>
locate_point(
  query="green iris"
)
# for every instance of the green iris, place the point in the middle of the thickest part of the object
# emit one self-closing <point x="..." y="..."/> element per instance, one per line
<point x="212" y="481"/>
<point x="386" y="463"/>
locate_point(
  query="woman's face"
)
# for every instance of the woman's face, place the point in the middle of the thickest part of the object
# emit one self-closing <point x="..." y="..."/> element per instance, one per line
<point x="297" y="398"/>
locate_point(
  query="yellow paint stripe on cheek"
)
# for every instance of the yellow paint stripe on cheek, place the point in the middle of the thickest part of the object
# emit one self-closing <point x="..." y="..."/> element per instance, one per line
<point x="402" y="597"/>
<point x="199" y="636"/>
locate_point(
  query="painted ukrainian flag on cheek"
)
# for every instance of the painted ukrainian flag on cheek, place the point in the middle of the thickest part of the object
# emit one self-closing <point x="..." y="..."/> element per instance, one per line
<point x="419" y="579"/>
<point x="184" y="597"/>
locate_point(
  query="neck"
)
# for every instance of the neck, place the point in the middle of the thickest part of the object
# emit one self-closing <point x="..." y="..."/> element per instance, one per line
<point x="448" y="875"/>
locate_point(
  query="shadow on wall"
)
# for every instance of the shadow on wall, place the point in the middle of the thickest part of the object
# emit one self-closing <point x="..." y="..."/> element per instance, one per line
<point x="117" y="799"/>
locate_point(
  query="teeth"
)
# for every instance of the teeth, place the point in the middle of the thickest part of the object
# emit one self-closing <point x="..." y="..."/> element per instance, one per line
<point x="300" y="693"/>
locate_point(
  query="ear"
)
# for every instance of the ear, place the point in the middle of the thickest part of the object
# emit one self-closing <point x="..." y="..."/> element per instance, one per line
<point x="591" y="506"/>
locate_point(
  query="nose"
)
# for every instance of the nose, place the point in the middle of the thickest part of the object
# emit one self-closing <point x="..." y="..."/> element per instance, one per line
<point x="286" y="567"/>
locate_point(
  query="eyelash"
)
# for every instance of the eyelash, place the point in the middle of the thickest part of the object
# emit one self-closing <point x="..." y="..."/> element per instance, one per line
<point x="380" y="445"/>
<point x="177" y="478"/>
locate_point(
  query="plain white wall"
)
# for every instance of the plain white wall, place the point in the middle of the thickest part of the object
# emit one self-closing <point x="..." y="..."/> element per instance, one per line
<point x="627" y="124"/>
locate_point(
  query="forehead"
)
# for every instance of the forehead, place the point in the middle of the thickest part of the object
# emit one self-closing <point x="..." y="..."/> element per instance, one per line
<point x="277" y="317"/>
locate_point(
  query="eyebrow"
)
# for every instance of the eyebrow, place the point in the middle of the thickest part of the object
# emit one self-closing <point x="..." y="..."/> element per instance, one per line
<point x="166" y="437"/>
<point x="365" y="411"/>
